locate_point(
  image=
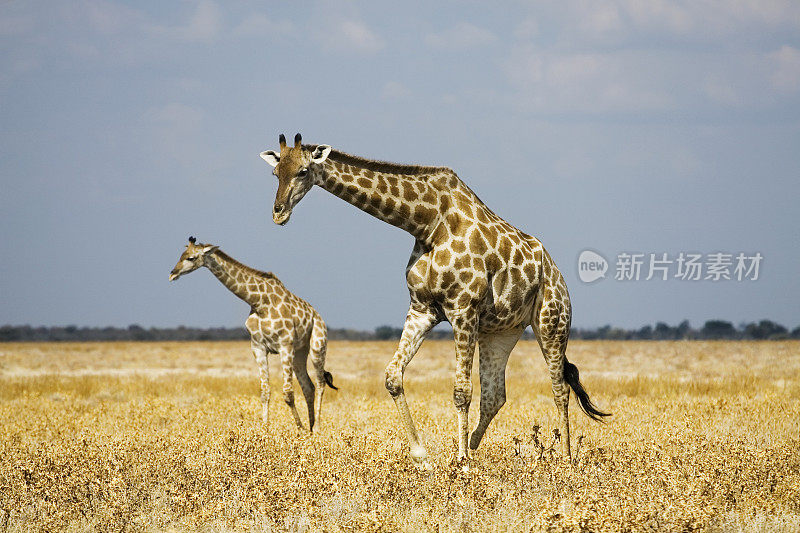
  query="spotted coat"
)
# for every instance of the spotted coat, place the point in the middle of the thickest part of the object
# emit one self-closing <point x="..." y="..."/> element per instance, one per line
<point x="468" y="266"/>
<point x="279" y="323"/>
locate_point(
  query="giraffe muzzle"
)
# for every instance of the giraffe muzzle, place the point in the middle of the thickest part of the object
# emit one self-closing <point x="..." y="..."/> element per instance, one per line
<point x="281" y="216"/>
<point x="174" y="275"/>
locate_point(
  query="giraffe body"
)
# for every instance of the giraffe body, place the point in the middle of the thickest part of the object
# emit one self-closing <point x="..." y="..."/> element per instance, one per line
<point x="279" y="323"/>
<point x="468" y="266"/>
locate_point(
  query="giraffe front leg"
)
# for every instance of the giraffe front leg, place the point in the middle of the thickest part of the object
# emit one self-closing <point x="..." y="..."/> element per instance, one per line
<point x="465" y="328"/>
<point x="260" y="353"/>
<point x="287" y="362"/>
<point x="301" y="372"/>
<point x="418" y="323"/>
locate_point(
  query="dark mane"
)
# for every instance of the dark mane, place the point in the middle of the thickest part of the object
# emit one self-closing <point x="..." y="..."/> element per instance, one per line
<point x="379" y="166"/>
<point x="249" y="270"/>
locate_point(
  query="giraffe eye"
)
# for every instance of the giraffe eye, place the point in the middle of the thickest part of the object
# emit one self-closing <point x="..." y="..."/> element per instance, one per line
<point x="303" y="172"/>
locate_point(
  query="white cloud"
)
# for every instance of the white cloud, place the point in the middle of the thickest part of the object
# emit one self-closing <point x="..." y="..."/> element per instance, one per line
<point x="258" y="25"/>
<point x="462" y="35"/>
<point x="599" y="17"/>
<point x="108" y="18"/>
<point x="666" y="15"/>
<point x="87" y="32"/>
<point x="786" y="75"/>
<point x="579" y="23"/>
<point x="352" y="35"/>
<point x="357" y="35"/>
<point x="203" y="26"/>
<point x="650" y="79"/>
<point x="711" y="18"/>
<point x="594" y="83"/>
<point x="655" y="55"/>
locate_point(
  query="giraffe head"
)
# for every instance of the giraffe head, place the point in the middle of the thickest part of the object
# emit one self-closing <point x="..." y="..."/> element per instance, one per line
<point x="192" y="258"/>
<point x="298" y="168"/>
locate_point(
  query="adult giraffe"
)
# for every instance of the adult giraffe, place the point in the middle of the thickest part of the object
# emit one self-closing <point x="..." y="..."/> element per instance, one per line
<point x="469" y="267"/>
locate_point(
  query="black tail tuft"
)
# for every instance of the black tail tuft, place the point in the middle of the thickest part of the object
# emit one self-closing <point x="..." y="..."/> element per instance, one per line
<point x="329" y="380"/>
<point x="571" y="377"/>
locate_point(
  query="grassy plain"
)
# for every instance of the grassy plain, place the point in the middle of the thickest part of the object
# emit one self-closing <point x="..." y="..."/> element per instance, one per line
<point x="167" y="437"/>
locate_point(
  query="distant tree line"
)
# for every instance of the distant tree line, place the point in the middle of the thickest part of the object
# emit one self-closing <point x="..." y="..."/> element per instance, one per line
<point x="133" y="332"/>
<point x="136" y="332"/>
<point x="711" y="330"/>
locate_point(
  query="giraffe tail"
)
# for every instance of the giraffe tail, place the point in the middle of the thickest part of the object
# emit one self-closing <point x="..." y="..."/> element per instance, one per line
<point x="329" y="380"/>
<point x="572" y="379"/>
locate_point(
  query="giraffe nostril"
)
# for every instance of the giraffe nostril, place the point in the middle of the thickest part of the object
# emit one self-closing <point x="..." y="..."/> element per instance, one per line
<point x="278" y="208"/>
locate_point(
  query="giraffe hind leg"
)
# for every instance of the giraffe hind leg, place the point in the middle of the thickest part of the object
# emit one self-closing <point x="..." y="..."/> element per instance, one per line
<point x="319" y="346"/>
<point x="286" y="352"/>
<point x="494" y="350"/>
<point x="551" y="327"/>
<point x="306" y="385"/>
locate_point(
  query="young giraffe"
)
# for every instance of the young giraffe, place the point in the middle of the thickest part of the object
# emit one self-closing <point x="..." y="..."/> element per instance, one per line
<point x="469" y="267"/>
<point x="279" y="322"/>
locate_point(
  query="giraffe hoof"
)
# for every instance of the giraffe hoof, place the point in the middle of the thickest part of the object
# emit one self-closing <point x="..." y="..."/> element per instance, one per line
<point x="420" y="458"/>
<point x="418" y="453"/>
<point x="423" y="466"/>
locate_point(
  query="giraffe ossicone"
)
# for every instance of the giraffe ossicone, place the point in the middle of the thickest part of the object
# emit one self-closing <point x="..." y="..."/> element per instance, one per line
<point x="468" y="267"/>
<point x="279" y="323"/>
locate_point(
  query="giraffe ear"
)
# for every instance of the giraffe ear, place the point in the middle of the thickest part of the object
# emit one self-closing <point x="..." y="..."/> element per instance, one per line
<point x="271" y="157"/>
<point x="210" y="248"/>
<point x="320" y="153"/>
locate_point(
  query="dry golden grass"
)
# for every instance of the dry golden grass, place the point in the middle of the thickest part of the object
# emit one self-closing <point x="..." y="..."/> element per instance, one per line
<point x="167" y="436"/>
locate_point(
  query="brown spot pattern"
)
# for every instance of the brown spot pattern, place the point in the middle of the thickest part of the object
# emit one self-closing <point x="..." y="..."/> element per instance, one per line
<point x="470" y="246"/>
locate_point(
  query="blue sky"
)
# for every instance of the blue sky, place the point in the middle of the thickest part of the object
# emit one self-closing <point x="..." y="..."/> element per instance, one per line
<point x="622" y="126"/>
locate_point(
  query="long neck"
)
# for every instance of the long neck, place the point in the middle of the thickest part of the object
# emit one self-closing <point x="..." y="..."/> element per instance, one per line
<point x="238" y="278"/>
<point x="406" y="201"/>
